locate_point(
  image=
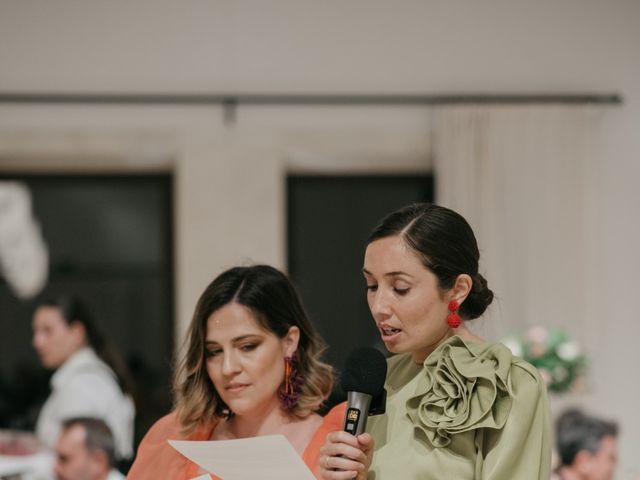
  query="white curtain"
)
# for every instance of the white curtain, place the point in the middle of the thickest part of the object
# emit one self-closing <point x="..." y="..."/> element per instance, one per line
<point x="525" y="177"/>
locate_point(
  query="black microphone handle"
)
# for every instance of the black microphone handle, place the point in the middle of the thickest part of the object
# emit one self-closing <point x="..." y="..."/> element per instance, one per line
<point x="358" y="405"/>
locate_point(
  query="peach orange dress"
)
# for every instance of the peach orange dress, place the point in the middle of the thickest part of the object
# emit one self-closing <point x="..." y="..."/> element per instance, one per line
<point x="157" y="459"/>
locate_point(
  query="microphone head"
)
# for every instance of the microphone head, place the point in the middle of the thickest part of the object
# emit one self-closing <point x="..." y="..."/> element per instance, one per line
<point x="364" y="371"/>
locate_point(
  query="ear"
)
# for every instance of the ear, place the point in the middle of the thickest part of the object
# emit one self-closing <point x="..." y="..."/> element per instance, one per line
<point x="461" y="288"/>
<point x="79" y="332"/>
<point x="99" y="462"/>
<point x="582" y="462"/>
<point x="290" y="341"/>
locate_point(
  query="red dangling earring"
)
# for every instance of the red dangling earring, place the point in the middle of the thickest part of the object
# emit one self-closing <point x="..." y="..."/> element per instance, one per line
<point x="454" y="319"/>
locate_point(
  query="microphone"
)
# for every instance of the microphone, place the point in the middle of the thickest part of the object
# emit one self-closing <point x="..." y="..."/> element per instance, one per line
<point x="363" y="380"/>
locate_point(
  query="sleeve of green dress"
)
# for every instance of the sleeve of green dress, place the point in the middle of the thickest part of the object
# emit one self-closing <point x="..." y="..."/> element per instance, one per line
<point x="522" y="448"/>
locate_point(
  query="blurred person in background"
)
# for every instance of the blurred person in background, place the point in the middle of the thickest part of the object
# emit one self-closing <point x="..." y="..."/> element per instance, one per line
<point x="86" y="451"/>
<point x="252" y="367"/>
<point x="89" y="379"/>
<point x="587" y="447"/>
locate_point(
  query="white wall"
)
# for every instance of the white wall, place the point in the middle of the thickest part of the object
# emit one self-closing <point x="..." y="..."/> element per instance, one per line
<point x="229" y="180"/>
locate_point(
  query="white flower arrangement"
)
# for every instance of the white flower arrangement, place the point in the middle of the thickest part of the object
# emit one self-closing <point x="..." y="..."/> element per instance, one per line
<point x="24" y="258"/>
<point x="559" y="359"/>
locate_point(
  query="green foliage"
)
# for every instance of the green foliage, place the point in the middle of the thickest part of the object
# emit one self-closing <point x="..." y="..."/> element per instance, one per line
<point x="558" y="358"/>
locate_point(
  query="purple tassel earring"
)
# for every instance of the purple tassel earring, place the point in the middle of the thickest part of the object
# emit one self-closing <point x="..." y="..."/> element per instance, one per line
<point x="288" y="393"/>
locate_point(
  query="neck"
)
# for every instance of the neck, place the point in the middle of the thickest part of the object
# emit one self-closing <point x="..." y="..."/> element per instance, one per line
<point x="566" y="473"/>
<point x="419" y="356"/>
<point x="104" y="475"/>
<point x="273" y="421"/>
<point x="268" y="422"/>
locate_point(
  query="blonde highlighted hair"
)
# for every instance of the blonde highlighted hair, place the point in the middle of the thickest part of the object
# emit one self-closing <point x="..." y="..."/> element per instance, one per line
<point x="269" y="294"/>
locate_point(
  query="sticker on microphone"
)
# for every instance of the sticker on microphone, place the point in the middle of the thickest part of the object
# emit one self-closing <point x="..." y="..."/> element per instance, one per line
<point x="351" y="422"/>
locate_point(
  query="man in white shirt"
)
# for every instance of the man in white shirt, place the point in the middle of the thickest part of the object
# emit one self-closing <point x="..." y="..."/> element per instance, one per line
<point x="86" y="451"/>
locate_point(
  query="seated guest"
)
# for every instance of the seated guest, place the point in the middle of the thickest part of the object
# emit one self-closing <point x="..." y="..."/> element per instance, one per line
<point x="586" y="446"/>
<point x="86" y="451"/>
<point x="252" y="366"/>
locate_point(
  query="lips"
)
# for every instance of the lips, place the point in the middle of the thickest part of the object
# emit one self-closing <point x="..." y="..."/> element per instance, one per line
<point x="236" y="387"/>
<point x="388" y="332"/>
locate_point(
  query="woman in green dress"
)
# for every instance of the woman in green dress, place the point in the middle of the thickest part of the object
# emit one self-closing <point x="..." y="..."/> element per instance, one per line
<point x="458" y="407"/>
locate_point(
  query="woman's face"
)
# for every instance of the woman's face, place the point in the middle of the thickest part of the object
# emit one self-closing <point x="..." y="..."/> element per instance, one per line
<point x="407" y="306"/>
<point x="53" y="338"/>
<point x="244" y="361"/>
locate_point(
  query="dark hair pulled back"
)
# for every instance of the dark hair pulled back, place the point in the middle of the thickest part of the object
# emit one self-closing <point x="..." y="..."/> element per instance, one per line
<point x="73" y="310"/>
<point x="446" y="245"/>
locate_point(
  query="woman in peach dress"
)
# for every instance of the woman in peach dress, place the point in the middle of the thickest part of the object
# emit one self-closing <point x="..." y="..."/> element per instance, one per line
<point x="252" y="367"/>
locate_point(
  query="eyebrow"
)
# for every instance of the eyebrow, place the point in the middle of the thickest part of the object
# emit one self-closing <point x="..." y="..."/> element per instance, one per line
<point x="389" y="274"/>
<point x="236" y="339"/>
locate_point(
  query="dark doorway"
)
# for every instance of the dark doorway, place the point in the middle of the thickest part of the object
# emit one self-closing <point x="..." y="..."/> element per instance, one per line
<point x="329" y="219"/>
<point x="110" y="243"/>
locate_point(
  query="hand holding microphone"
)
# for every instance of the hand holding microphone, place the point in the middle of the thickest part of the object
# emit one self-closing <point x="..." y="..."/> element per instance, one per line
<point x="347" y="454"/>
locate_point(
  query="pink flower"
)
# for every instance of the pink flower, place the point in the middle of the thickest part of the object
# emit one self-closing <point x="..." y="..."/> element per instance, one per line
<point x="546" y="376"/>
<point x="537" y="334"/>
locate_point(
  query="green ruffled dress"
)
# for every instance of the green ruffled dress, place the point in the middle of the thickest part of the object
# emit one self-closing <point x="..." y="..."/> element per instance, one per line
<point x="471" y="411"/>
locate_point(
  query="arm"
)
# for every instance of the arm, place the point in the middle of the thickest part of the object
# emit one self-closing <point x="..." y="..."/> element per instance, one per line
<point x="522" y="449"/>
<point x="156" y="459"/>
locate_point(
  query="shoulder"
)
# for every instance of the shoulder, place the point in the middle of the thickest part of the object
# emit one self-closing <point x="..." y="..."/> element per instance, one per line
<point x="165" y="428"/>
<point x="91" y="386"/>
<point x="92" y="378"/>
<point x="334" y="419"/>
<point x="519" y="384"/>
<point x="520" y="377"/>
<point x="86" y="369"/>
<point x="169" y="427"/>
<point x="156" y="458"/>
<point x="525" y="380"/>
<point x="115" y="475"/>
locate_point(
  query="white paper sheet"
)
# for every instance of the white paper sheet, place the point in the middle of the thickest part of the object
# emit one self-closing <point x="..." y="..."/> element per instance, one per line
<point x="266" y="458"/>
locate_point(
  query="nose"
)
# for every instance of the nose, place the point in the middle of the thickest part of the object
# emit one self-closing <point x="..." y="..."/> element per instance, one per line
<point x="379" y="305"/>
<point x="230" y="364"/>
<point x="36" y="341"/>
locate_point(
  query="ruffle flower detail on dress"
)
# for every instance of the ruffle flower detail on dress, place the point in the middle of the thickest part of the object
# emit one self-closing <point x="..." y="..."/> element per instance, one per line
<point x="463" y="387"/>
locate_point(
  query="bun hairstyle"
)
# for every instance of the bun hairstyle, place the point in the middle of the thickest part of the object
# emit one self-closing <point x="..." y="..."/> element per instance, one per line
<point x="445" y="243"/>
